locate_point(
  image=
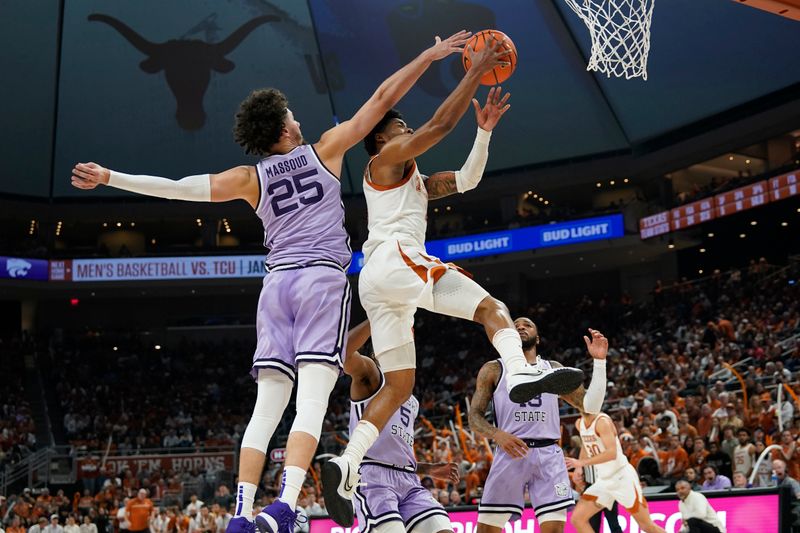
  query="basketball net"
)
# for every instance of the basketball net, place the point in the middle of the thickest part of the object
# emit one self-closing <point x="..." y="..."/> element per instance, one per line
<point x="620" y="32"/>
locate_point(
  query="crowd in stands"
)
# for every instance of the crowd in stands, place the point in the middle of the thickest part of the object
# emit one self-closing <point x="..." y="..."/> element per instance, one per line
<point x="694" y="375"/>
<point x="17" y="435"/>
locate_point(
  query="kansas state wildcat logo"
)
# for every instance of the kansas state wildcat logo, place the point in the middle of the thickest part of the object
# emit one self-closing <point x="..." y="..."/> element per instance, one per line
<point x="17" y="268"/>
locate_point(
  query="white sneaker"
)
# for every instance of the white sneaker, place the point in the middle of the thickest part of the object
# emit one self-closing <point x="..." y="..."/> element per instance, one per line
<point x="339" y="482"/>
<point x="534" y="380"/>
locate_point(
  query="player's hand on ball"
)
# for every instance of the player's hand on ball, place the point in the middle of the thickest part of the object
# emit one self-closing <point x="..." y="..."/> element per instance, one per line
<point x="490" y="56"/>
<point x="454" y="43"/>
<point x="89" y="175"/>
<point x="597" y="345"/>
<point x="445" y="472"/>
<point x="495" y="107"/>
<point x="574" y="463"/>
<point x="513" y="446"/>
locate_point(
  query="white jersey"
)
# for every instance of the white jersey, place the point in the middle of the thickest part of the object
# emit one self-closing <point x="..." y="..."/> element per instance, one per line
<point x="594" y="446"/>
<point x="396" y="212"/>
<point x="742" y="459"/>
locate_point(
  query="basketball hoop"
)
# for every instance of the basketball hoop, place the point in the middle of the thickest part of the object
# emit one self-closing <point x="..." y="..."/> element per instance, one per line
<point x="620" y="32"/>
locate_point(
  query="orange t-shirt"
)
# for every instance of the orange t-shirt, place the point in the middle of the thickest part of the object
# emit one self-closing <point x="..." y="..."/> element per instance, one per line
<point x="139" y="513"/>
<point x="635" y="457"/>
<point x="698" y="459"/>
<point x="675" y="460"/>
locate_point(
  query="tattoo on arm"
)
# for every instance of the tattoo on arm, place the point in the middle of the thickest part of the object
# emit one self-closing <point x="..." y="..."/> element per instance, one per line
<point x="441" y="184"/>
<point x="487" y="382"/>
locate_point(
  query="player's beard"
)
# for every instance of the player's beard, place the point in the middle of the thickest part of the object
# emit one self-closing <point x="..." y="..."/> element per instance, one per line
<point x="529" y="343"/>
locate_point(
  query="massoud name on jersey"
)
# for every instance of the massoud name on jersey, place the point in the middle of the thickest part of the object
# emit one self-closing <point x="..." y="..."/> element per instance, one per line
<point x="284" y="167"/>
<point x="531" y="416"/>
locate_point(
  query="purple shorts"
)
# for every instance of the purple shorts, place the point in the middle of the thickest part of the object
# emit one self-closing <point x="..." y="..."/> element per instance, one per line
<point x="302" y="316"/>
<point x="393" y="494"/>
<point x="544" y="472"/>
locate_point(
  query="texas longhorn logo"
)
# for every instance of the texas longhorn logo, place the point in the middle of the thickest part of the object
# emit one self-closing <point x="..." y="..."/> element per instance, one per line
<point x="187" y="64"/>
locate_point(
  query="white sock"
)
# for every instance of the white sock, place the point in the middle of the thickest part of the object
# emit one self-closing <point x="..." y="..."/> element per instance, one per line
<point x="508" y="344"/>
<point x="292" y="482"/>
<point x="245" y="494"/>
<point x="362" y="439"/>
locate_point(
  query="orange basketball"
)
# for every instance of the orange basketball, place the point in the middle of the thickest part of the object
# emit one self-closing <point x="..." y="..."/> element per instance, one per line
<point x="500" y="73"/>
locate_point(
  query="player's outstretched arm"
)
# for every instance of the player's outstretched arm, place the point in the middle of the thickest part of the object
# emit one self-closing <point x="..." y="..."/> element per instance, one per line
<point x="443" y="184"/>
<point x="488" y="377"/>
<point x="238" y="183"/>
<point x="591" y="400"/>
<point x="336" y="141"/>
<point x="405" y="147"/>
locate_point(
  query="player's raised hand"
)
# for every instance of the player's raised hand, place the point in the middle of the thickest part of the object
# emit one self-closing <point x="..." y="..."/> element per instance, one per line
<point x="574" y="463"/>
<point x="444" y="471"/>
<point x="489" y="115"/>
<point x="597" y="345"/>
<point x="454" y="43"/>
<point x="490" y="56"/>
<point x="513" y="446"/>
<point x="89" y="175"/>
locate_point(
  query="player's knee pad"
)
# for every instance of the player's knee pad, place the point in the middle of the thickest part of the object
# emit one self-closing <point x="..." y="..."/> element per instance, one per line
<point x="457" y="295"/>
<point x="494" y="519"/>
<point x="553" y="516"/>
<point x="403" y="357"/>
<point x="274" y="390"/>
<point x="315" y="382"/>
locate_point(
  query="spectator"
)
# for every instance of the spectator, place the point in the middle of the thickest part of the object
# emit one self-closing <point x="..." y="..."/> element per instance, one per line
<point x="713" y="480"/>
<point x="71" y="526"/>
<point x="696" y="513"/>
<point x="223" y="517"/>
<point x="88" y="526"/>
<point x="720" y="460"/>
<point x="194" y="504"/>
<point x="40" y="525"/>
<point x="744" y="453"/>
<point x="53" y="526"/>
<point x="15" y="526"/>
<point x="740" y="481"/>
<point x="784" y="479"/>
<point x="455" y="498"/>
<point x="444" y="497"/>
<point x="138" y="512"/>
<point x="789" y="454"/>
<point x="160" y="523"/>
<point x="224" y="497"/>
<point x="691" y="477"/>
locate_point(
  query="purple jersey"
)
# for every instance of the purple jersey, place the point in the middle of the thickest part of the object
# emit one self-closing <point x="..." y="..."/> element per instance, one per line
<point x="301" y="208"/>
<point x="536" y="419"/>
<point x="395" y="444"/>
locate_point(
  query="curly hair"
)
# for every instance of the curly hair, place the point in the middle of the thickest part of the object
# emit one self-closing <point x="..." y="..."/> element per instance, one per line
<point x="259" y="120"/>
<point x="370" y="145"/>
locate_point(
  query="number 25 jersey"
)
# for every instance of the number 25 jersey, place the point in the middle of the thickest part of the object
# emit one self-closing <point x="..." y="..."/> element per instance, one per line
<point x="300" y="206"/>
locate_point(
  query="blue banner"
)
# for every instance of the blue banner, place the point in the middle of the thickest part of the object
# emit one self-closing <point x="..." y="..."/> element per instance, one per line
<point x="517" y="240"/>
<point x="19" y="268"/>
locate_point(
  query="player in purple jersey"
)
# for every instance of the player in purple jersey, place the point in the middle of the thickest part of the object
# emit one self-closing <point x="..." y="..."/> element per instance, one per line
<point x="527" y="438"/>
<point x="390" y="498"/>
<point x="304" y="306"/>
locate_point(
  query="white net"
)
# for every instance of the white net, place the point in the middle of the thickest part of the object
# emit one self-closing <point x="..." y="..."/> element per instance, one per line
<point x="620" y="32"/>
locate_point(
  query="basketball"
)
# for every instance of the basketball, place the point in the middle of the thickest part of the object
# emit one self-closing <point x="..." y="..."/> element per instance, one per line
<point x="500" y="73"/>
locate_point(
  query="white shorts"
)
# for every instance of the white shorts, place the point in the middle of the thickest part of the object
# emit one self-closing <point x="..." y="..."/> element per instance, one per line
<point x="397" y="279"/>
<point x="623" y="487"/>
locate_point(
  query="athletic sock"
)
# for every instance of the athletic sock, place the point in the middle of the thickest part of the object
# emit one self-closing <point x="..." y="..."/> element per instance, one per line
<point x="245" y="494"/>
<point x="362" y="439"/>
<point x="291" y="484"/>
<point x="508" y="344"/>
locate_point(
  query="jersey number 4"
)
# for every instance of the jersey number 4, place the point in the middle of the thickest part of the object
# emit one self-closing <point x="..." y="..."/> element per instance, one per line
<point x="306" y="192"/>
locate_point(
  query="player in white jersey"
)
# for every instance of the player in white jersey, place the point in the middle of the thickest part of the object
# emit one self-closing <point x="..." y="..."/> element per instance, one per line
<point x="399" y="276"/>
<point x="616" y="479"/>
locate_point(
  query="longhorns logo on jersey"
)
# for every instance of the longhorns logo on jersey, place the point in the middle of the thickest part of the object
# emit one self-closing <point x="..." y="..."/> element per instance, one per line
<point x="187" y="64"/>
